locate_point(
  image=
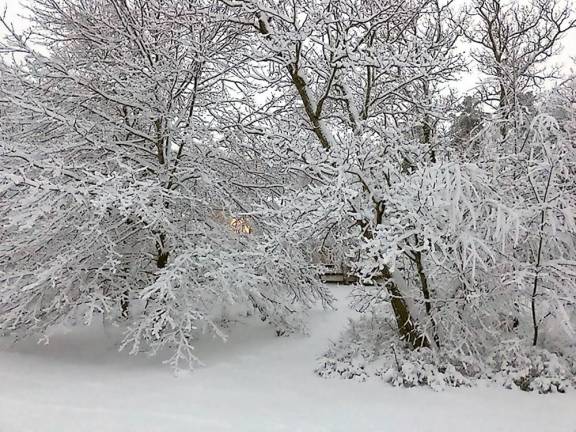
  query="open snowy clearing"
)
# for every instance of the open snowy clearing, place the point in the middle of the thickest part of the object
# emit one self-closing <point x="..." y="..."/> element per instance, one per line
<point x="255" y="382"/>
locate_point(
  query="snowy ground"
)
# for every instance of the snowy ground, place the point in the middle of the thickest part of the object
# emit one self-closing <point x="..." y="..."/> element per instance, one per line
<point x="255" y="382"/>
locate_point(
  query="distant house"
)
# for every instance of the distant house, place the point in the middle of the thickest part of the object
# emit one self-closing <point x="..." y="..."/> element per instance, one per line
<point x="239" y="225"/>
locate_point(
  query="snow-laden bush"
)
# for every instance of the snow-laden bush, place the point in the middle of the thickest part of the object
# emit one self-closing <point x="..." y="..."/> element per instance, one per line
<point x="349" y="356"/>
<point x="421" y="367"/>
<point x="332" y="365"/>
<point x="368" y="349"/>
<point x="531" y="369"/>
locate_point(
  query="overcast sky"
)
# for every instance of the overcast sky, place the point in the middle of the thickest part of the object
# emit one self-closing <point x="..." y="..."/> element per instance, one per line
<point x="14" y="10"/>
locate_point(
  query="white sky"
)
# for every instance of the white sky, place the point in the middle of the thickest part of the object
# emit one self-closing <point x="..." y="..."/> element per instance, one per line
<point x="14" y="10"/>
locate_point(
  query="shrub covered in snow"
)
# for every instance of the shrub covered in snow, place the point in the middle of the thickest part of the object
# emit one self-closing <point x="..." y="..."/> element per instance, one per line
<point x="367" y="350"/>
<point x="421" y="367"/>
<point x="531" y="369"/>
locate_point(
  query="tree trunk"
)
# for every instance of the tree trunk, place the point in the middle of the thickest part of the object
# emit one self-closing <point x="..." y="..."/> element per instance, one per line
<point x="125" y="304"/>
<point x="406" y="324"/>
<point x="163" y="253"/>
<point x="426" y="294"/>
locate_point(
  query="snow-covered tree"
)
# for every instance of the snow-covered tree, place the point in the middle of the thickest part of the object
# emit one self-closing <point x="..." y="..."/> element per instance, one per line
<point x="513" y="42"/>
<point x="118" y="189"/>
<point x="162" y="160"/>
<point x="355" y="88"/>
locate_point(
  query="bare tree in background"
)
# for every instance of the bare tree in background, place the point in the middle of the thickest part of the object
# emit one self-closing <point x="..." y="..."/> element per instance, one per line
<point x="514" y="41"/>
